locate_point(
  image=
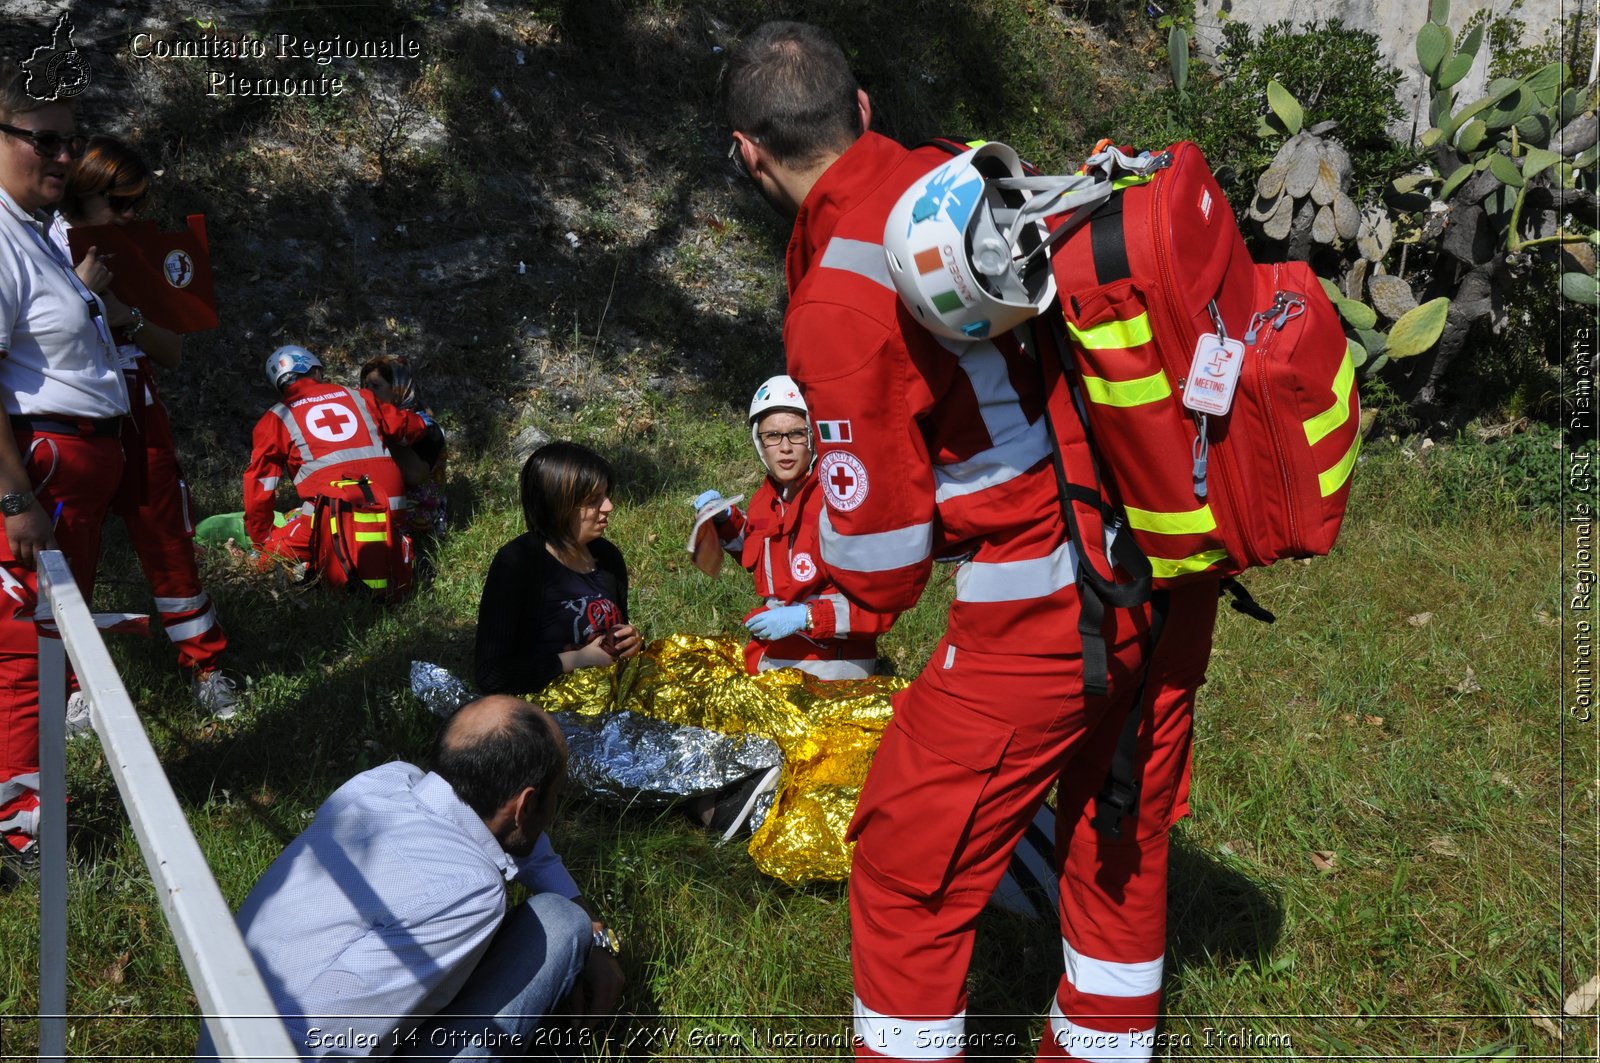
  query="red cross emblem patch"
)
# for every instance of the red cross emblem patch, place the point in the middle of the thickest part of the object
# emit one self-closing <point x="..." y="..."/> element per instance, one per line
<point x="803" y="568"/>
<point x="330" y="422"/>
<point x="844" y="479"/>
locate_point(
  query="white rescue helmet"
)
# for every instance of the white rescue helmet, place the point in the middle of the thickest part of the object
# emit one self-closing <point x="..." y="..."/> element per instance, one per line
<point x="959" y="253"/>
<point x="776" y="393"/>
<point x="287" y="361"/>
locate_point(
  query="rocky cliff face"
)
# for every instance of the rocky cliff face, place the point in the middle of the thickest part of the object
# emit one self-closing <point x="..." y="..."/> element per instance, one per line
<point x="1396" y="26"/>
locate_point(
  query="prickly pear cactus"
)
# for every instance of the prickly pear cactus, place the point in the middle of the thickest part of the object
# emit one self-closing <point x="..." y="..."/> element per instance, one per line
<point x="1504" y="173"/>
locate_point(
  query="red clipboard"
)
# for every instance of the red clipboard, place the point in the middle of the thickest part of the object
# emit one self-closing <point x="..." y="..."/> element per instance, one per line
<point x="166" y="275"/>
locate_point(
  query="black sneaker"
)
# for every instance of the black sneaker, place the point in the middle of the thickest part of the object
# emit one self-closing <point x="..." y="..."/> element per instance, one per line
<point x="732" y="806"/>
<point x="18" y="866"/>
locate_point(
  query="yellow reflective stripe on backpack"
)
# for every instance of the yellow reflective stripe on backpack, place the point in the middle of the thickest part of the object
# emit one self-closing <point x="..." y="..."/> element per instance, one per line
<point x="1171" y="567"/>
<point x="333" y="525"/>
<point x="1132" y="179"/>
<point x="1332" y="479"/>
<point x="376" y="584"/>
<point x="1185" y="522"/>
<point x="371" y="518"/>
<point x="1344" y="392"/>
<point x="1152" y="388"/>
<point x="1113" y="335"/>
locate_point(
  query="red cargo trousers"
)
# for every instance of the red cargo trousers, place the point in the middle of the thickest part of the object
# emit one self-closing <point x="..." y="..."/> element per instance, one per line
<point x="976" y="743"/>
<point x="80" y="474"/>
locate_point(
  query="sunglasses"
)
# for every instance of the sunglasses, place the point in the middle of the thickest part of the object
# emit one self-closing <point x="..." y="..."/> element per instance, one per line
<point x="125" y="204"/>
<point x="736" y="157"/>
<point x="47" y="143"/>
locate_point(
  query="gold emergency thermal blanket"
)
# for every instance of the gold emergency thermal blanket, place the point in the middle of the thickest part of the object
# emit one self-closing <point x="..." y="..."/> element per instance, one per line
<point x="826" y="731"/>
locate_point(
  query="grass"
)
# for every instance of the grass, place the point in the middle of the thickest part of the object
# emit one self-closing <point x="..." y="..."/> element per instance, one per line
<point x="1347" y="733"/>
<point x="1458" y="896"/>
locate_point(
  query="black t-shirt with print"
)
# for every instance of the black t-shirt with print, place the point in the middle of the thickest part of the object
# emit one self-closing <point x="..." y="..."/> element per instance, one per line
<point x="578" y="606"/>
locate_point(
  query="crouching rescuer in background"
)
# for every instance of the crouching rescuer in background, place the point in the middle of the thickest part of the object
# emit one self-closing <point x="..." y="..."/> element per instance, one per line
<point x="332" y="443"/>
<point x="946" y="448"/>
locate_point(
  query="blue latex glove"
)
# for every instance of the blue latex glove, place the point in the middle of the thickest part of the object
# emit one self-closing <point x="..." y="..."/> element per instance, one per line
<point x="777" y="623"/>
<point x="706" y="498"/>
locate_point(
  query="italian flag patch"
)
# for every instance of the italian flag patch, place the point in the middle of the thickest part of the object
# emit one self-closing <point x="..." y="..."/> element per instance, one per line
<point x="833" y="431"/>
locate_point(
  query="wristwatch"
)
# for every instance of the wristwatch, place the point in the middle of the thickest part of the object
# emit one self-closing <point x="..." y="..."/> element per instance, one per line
<point x="606" y="940"/>
<point x="131" y="330"/>
<point x="15" y="503"/>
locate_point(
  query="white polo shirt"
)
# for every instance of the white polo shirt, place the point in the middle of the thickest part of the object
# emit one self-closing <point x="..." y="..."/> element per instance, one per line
<point x="55" y="359"/>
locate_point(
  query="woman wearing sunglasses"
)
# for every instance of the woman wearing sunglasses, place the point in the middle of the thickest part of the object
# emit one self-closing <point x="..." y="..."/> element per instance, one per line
<point x="60" y="441"/>
<point x="106" y="186"/>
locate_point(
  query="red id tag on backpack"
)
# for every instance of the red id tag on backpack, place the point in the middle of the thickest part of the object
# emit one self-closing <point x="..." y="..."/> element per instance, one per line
<point x="1213" y="374"/>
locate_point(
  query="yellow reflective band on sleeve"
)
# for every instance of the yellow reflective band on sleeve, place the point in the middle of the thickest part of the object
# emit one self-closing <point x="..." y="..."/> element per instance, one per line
<point x="1334" y="478"/>
<point x="1113" y="335"/>
<point x="1169" y="567"/>
<point x="376" y="584"/>
<point x="1344" y="392"/>
<point x="1185" y="522"/>
<point x="371" y="537"/>
<point x="1152" y="388"/>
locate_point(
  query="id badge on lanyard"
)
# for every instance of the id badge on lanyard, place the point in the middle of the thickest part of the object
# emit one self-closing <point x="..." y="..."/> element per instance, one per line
<point x="90" y="300"/>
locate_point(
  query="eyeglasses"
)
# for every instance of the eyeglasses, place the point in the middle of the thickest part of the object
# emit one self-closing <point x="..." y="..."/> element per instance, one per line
<point x="125" y="204"/>
<point x="47" y="143"/>
<point x="798" y="437"/>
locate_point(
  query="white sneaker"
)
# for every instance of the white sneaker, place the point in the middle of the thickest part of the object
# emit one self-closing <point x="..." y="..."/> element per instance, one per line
<point x="78" y="723"/>
<point x="216" y="694"/>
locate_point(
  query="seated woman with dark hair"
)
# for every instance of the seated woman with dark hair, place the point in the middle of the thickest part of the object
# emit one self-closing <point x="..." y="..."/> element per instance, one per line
<point x="556" y="597"/>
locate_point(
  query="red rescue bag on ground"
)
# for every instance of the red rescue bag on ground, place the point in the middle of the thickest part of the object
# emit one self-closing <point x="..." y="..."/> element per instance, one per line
<point x="358" y="546"/>
<point x="1162" y="303"/>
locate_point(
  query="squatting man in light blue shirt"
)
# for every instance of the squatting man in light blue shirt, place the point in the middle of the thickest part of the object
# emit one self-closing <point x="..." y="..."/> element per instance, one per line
<point x="382" y="930"/>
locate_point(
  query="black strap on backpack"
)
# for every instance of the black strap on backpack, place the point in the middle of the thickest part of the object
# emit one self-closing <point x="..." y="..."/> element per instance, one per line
<point x="326" y="510"/>
<point x="1119" y="794"/>
<point x="1096" y="592"/>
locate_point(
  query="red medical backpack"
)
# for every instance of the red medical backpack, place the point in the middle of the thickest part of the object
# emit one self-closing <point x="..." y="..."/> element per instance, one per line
<point x="1156" y="281"/>
<point x="358" y="546"/>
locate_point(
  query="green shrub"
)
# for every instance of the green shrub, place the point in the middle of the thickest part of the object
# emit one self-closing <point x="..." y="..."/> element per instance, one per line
<point x="1333" y="70"/>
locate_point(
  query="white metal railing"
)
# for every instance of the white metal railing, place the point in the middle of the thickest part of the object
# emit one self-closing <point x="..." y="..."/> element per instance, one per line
<point x="243" y="1021"/>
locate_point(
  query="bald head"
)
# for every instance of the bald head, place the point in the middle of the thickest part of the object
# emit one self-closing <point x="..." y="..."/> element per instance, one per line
<point x="494" y="748"/>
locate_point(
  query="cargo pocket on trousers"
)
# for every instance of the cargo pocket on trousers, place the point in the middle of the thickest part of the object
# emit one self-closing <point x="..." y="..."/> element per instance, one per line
<point x="919" y="798"/>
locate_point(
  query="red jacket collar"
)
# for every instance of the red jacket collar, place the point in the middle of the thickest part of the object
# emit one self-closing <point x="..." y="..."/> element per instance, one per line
<point x="851" y="178"/>
<point x="784" y="513"/>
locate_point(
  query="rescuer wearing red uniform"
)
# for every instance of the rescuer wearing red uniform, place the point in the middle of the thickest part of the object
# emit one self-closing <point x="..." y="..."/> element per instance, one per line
<point x="106" y="187"/>
<point x="804" y="622"/>
<point x="331" y="441"/>
<point x="944" y="451"/>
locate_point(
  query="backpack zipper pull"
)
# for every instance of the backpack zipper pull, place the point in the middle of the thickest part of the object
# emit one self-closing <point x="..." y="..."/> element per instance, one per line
<point x="1202" y="455"/>
<point x="1257" y="322"/>
<point x="1270" y="318"/>
<point x="1290" y="305"/>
